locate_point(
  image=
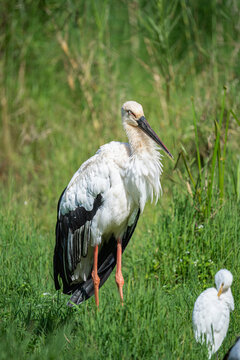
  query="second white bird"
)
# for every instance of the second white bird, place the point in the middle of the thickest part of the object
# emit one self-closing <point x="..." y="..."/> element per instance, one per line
<point x="211" y="312"/>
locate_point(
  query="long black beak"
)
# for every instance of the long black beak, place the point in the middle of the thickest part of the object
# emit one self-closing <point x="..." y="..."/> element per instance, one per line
<point x="145" y="127"/>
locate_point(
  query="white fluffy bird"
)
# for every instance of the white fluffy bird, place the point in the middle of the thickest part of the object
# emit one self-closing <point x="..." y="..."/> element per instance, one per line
<point x="211" y="312"/>
<point x="100" y="207"/>
<point x="234" y="352"/>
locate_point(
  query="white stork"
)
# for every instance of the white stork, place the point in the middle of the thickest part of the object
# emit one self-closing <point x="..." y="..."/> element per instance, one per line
<point x="211" y="312"/>
<point x="99" y="209"/>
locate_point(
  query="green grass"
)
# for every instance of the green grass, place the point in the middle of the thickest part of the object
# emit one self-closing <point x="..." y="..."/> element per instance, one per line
<point x="65" y="70"/>
<point x="169" y="261"/>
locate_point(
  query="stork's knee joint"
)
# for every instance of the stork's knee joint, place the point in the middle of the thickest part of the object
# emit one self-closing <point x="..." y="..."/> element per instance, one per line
<point x="119" y="279"/>
<point x="96" y="279"/>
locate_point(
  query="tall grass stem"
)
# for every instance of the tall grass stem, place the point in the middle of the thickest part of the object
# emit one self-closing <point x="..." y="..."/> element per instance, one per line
<point x="197" y="142"/>
<point x="215" y="151"/>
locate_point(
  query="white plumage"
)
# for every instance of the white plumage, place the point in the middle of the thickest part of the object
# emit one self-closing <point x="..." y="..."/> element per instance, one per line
<point x="122" y="177"/>
<point x="211" y="312"/>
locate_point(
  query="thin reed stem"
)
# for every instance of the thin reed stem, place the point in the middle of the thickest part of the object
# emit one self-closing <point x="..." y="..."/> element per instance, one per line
<point x="197" y="142"/>
<point x="214" y="158"/>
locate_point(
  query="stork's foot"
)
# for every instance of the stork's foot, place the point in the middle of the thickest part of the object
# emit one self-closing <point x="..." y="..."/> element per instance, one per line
<point x="119" y="277"/>
<point x="120" y="283"/>
<point x="95" y="277"/>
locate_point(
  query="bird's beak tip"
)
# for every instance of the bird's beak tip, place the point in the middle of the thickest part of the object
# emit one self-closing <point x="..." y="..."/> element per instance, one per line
<point x="169" y="155"/>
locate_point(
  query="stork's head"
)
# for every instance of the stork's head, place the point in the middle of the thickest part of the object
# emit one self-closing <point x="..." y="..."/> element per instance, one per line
<point x="131" y="112"/>
<point x="223" y="281"/>
<point x="133" y="115"/>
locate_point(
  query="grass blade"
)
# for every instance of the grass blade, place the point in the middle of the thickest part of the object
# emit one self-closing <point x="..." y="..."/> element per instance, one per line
<point x="219" y="156"/>
<point x="197" y="142"/>
<point x="235" y="117"/>
<point x="238" y="181"/>
<point x="188" y="170"/>
<point x="214" y="158"/>
<point x="222" y="160"/>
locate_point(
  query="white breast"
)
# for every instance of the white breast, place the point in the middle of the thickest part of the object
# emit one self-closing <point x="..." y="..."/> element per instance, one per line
<point x="142" y="177"/>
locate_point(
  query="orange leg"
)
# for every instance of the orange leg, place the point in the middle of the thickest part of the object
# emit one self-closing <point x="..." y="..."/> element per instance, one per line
<point x="119" y="277"/>
<point x="95" y="277"/>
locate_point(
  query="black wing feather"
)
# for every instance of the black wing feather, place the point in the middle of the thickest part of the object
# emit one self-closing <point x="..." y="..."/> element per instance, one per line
<point x="68" y="251"/>
<point x="106" y="264"/>
<point x="58" y="251"/>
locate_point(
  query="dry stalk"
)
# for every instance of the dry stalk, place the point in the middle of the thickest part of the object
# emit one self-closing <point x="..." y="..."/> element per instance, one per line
<point x="79" y="67"/>
<point x="84" y="69"/>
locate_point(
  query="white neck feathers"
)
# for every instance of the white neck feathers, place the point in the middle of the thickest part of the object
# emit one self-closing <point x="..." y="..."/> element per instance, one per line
<point x="143" y="171"/>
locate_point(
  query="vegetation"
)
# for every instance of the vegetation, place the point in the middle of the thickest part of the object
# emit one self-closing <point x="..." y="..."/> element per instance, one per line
<point x="65" y="70"/>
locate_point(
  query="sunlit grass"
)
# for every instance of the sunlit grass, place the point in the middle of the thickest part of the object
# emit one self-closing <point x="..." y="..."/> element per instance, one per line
<point x="209" y="179"/>
<point x="167" y="264"/>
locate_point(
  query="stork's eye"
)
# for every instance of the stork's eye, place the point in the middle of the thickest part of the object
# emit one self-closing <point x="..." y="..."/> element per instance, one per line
<point x="131" y="113"/>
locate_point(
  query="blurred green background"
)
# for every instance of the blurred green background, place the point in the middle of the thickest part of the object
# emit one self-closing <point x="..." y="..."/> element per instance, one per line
<point x="66" y="68"/>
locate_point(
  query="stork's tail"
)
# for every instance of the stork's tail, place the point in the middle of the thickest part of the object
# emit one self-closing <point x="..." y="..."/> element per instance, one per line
<point x="85" y="290"/>
<point x="78" y="296"/>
